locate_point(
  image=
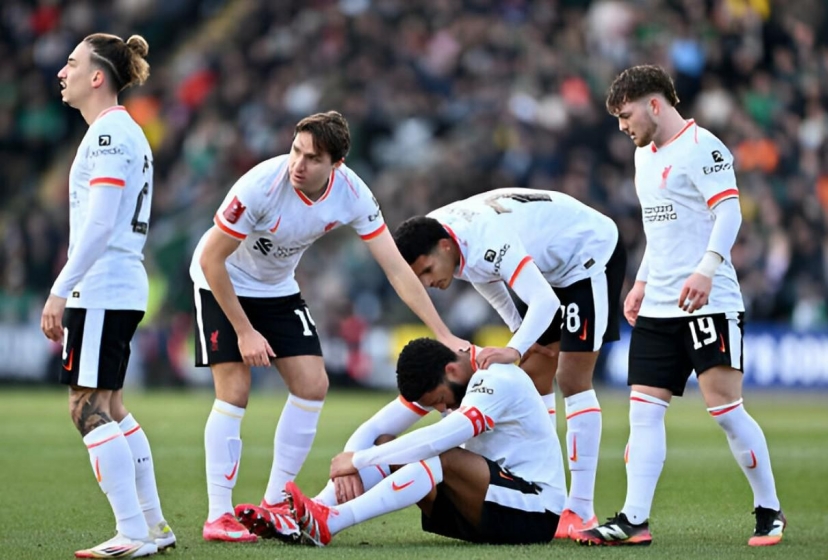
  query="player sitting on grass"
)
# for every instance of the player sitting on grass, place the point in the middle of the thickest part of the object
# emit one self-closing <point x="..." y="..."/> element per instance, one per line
<point x="504" y="486"/>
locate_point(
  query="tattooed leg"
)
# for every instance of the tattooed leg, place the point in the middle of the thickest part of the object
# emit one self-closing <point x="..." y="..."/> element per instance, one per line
<point x="89" y="408"/>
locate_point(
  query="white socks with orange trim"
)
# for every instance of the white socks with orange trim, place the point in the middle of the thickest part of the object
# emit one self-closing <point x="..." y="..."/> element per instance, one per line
<point x="749" y="447"/>
<point x="222" y="448"/>
<point x="404" y="488"/>
<point x="144" y="470"/>
<point x="645" y="454"/>
<point x="583" y="438"/>
<point x="371" y="476"/>
<point x="291" y="444"/>
<point x="549" y="401"/>
<point x="115" y="472"/>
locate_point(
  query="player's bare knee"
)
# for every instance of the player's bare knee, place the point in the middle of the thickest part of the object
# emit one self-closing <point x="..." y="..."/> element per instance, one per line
<point x="384" y="438"/>
<point x="571" y="383"/>
<point x="89" y="408"/>
<point x="721" y="385"/>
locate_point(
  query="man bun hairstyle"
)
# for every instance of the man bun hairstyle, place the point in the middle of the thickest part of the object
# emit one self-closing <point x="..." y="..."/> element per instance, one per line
<point x="123" y="61"/>
<point x="638" y="81"/>
<point x="330" y="133"/>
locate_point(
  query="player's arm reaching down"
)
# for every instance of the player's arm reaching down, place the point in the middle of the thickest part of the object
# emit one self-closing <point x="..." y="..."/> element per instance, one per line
<point x="409" y="288"/>
<point x="533" y="289"/>
<point x="632" y="303"/>
<point x="697" y="288"/>
<point x="104" y="200"/>
<point x="254" y="348"/>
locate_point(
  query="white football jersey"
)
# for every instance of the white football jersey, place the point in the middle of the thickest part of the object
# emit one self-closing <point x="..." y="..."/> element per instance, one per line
<point x="512" y="428"/>
<point x="678" y="185"/>
<point x="114" y="151"/>
<point x="499" y="231"/>
<point x="276" y="223"/>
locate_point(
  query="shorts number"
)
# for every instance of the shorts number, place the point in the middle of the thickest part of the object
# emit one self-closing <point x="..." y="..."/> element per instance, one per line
<point x="305" y="316"/>
<point x="707" y="328"/>
<point x="572" y="317"/>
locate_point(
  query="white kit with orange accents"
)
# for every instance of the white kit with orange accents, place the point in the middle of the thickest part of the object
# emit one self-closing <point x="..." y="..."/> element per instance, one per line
<point x="276" y="223"/>
<point x="678" y="185"/>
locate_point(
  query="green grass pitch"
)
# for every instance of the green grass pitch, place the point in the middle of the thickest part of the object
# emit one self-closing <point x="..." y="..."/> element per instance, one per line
<point x="51" y="504"/>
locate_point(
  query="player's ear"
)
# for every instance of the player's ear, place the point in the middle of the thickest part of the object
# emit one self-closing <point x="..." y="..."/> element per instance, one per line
<point x="97" y="78"/>
<point x="654" y="105"/>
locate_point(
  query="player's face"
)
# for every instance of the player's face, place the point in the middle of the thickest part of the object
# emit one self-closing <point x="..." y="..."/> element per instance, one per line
<point x="635" y="120"/>
<point x="309" y="169"/>
<point x="435" y="270"/>
<point x="78" y="76"/>
<point x="446" y="396"/>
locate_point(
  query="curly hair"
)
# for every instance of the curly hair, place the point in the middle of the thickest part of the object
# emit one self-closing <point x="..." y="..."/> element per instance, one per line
<point x="418" y="236"/>
<point x="636" y="82"/>
<point x="421" y="367"/>
<point x="330" y="133"/>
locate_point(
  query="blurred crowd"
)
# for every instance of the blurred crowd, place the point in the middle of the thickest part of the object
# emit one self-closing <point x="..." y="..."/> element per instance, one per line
<point x="445" y="99"/>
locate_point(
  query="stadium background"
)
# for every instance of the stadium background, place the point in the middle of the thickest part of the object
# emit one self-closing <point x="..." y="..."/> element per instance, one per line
<point x="445" y="99"/>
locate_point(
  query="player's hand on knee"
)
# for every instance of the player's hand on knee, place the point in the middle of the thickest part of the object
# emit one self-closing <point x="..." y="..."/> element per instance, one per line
<point x="632" y="303"/>
<point x="343" y="465"/>
<point x="493" y="355"/>
<point x="51" y="320"/>
<point x="538" y="349"/>
<point x="695" y="292"/>
<point x="348" y="487"/>
<point x="255" y="349"/>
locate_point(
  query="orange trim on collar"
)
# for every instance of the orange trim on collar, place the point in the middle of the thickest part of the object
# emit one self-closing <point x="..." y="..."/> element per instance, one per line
<point x="690" y="123"/>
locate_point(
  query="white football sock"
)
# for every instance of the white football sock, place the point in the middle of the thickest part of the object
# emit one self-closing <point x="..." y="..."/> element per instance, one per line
<point x="549" y="401"/>
<point x="583" y="439"/>
<point x="144" y="470"/>
<point x="370" y="477"/>
<point x="404" y="488"/>
<point x="291" y="444"/>
<point x="115" y="472"/>
<point x="749" y="447"/>
<point x="645" y="454"/>
<point x="222" y="449"/>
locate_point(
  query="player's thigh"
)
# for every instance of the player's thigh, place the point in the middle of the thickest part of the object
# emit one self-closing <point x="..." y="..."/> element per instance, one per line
<point x="575" y="370"/>
<point x="657" y="357"/>
<point x="96" y="347"/>
<point x="231" y="381"/>
<point x="305" y="376"/>
<point x="465" y="480"/>
<point x="720" y="385"/>
<point x="541" y="368"/>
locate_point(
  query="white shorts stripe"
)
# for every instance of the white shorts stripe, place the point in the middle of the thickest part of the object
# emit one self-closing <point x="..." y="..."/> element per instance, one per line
<point x="202" y="341"/>
<point x="518" y="500"/>
<point x="600" y="302"/>
<point x="91" y="348"/>
<point x="734" y="336"/>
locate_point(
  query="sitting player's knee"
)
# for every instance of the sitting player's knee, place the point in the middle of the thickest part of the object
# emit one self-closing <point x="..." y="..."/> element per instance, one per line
<point x="384" y="438"/>
<point x="89" y="409"/>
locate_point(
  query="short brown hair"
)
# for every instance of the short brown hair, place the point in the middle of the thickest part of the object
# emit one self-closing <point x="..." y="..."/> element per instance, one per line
<point x="636" y="82"/>
<point x="330" y="133"/>
<point x="123" y="61"/>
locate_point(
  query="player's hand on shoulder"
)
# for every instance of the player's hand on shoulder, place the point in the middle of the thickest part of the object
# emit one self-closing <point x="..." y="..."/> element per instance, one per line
<point x="348" y="487"/>
<point x="493" y="355"/>
<point x="255" y="349"/>
<point x="51" y="320"/>
<point x="455" y="343"/>
<point x="343" y="465"/>
<point x="695" y="292"/>
<point x="632" y="303"/>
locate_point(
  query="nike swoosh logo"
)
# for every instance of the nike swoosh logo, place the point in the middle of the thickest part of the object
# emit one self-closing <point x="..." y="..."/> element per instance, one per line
<point x="752" y="456"/>
<point x="68" y="365"/>
<point x="583" y="335"/>
<point x="574" y="456"/>
<point x="98" y="469"/>
<point x="233" y="472"/>
<point x="396" y="488"/>
<point x="505" y="476"/>
<point x="722" y="345"/>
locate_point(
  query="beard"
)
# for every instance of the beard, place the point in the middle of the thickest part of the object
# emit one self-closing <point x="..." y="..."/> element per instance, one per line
<point x="458" y="390"/>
